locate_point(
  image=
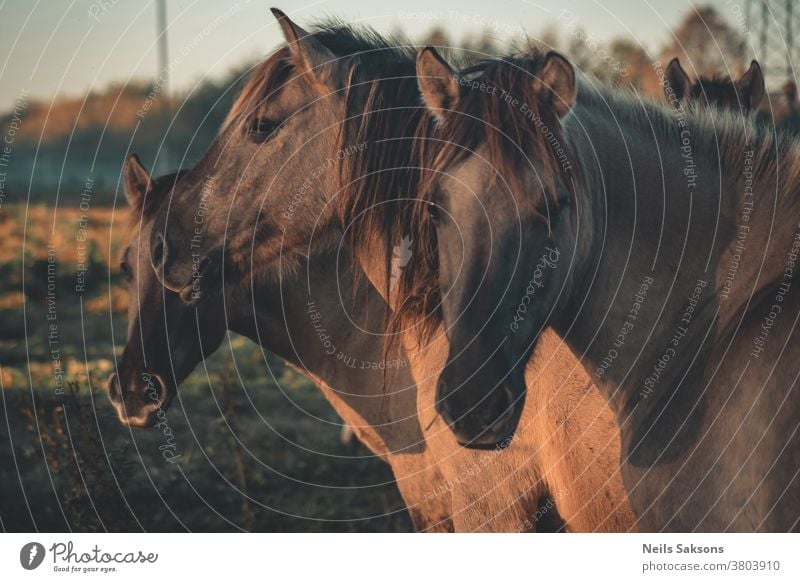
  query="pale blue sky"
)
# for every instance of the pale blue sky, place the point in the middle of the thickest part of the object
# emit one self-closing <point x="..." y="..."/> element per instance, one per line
<point x="70" y="46"/>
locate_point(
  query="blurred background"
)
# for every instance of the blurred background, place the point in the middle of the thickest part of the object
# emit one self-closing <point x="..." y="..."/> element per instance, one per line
<point x="84" y="83"/>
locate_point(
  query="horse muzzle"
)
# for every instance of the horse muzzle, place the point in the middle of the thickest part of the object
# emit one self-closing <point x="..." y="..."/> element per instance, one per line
<point x="480" y="419"/>
<point x="138" y="401"/>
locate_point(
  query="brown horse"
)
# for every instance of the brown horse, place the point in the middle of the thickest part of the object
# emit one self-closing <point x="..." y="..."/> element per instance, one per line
<point x="291" y="142"/>
<point x="167" y="339"/>
<point x="672" y="274"/>
<point x="743" y="95"/>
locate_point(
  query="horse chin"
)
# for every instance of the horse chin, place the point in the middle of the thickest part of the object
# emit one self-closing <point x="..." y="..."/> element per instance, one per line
<point x="147" y="420"/>
<point x="496" y="436"/>
<point x="491" y="423"/>
<point x="195" y="294"/>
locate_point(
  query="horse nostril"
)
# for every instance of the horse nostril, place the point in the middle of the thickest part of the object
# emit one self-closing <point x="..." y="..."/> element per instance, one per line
<point x="204" y="265"/>
<point x="156" y="389"/>
<point x="114" y="389"/>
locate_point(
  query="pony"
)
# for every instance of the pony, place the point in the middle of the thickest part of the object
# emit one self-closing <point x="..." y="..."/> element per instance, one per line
<point x="743" y="95"/>
<point x="660" y="245"/>
<point x="322" y="128"/>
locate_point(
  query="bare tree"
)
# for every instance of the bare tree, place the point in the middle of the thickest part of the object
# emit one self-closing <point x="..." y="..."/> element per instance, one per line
<point x="635" y="67"/>
<point x="707" y="44"/>
<point x="438" y="37"/>
<point x="483" y="45"/>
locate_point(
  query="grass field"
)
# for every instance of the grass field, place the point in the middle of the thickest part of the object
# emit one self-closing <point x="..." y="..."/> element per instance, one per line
<point x="250" y="443"/>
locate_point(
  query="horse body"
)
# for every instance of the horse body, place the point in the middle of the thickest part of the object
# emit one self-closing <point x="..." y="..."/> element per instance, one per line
<point x="739" y="471"/>
<point x="702" y="419"/>
<point x="381" y="410"/>
<point x="679" y="262"/>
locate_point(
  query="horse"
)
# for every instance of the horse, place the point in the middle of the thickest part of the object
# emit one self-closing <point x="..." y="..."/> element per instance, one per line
<point x="743" y="95"/>
<point x="661" y="247"/>
<point x="167" y="339"/>
<point x="299" y="97"/>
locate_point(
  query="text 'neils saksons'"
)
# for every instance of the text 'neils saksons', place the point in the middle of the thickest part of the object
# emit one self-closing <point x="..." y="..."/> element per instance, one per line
<point x="681" y="549"/>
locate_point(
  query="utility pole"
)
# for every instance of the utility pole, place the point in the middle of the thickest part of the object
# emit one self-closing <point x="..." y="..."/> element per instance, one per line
<point x="164" y="159"/>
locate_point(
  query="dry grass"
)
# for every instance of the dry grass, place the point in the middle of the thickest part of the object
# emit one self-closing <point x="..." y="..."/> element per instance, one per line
<point x="252" y="455"/>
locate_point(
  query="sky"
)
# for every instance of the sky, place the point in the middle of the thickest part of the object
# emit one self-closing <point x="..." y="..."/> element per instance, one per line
<point x="52" y="47"/>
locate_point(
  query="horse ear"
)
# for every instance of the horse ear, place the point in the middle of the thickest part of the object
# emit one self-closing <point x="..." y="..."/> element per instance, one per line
<point x="308" y="54"/>
<point x="437" y="82"/>
<point x="137" y="181"/>
<point x="677" y="79"/>
<point x="557" y="76"/>
<point x="751" y="87"/>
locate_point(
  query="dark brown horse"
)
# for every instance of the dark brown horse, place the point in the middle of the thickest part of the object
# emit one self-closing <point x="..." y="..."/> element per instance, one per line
<point x="661" y="247"/>
<point x="322" y="126"/>
<point x="743" y="95"/>
<point x="167" y="339"/>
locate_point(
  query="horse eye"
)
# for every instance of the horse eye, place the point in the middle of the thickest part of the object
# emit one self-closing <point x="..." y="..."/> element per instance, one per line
<point x="124" y="268"/>
<point x="433" y="211"/>
<point x="262" y="128"/>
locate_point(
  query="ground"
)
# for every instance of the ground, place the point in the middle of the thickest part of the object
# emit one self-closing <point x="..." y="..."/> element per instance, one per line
<point x="239" y="449"/>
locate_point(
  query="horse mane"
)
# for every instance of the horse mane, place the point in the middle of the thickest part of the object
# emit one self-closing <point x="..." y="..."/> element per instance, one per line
<point x="775" y="155"/>
<point x="512" y="123"/>
<point x="379" y="180"/>
<point x="356" y="46"/>
<point x="715" y="90"/>
<point x="515" y="127"/>
<point x="376" y="168"/>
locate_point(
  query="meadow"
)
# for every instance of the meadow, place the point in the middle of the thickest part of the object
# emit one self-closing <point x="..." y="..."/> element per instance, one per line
<point x="249" y="444"/>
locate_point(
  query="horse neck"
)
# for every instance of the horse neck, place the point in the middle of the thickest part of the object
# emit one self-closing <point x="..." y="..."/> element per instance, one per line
<point x="665" y="227"/>
<point x="316" y="321"/>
